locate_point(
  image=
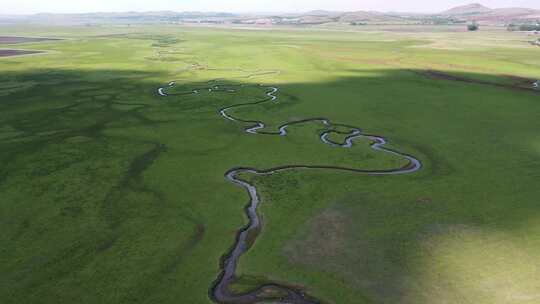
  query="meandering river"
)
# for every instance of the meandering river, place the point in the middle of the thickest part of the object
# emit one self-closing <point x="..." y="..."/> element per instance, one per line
<point x="278" y="293"/>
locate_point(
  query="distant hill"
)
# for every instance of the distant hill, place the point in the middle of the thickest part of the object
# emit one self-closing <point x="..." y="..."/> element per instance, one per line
<point x="320" y="17"/>
<point x="469" y="9"/>
<point x="456" y="15"/>
<point x="362" y="16"/>
<point x="485" y="14"/>
<point x="116" y="18"/>
<point x="515" y="13"/>
<point x="323" y="13"/>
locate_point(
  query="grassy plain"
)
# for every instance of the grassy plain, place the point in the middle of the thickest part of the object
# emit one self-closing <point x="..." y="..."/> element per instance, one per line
<point x="111" y="194"/>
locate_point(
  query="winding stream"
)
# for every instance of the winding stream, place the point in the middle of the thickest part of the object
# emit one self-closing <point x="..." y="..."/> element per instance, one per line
<point x="274" y="292"/>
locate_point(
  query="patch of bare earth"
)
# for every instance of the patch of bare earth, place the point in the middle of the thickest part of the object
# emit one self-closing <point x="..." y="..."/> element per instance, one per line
<point x="325" y="239"/>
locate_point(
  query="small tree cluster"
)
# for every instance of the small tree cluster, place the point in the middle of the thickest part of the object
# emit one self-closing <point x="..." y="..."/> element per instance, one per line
<point x="529" y="27"/>
<point x="473" y="27"/>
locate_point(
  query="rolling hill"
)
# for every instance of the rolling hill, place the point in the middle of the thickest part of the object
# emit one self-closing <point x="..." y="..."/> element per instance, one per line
<point x="485" y="14"/>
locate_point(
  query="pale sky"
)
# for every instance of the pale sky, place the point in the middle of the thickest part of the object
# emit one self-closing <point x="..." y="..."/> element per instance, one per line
<point x="84" y="6"/>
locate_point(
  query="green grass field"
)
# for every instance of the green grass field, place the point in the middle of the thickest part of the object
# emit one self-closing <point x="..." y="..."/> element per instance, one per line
<point x="110" y="193"/>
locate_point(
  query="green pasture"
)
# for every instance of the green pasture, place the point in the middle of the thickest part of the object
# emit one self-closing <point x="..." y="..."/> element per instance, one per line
<point x="110" y="193"/>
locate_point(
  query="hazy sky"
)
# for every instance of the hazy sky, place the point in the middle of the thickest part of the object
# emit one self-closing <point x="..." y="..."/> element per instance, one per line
<point x="77" y="6"/>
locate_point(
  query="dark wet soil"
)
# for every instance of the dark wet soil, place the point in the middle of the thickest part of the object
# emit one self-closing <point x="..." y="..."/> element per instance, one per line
<point x="7" y="53"/>
<point x="519" y="83"/>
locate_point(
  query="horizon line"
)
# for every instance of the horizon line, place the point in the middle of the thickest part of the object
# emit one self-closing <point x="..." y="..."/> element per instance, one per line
<point x="266" y="13"/>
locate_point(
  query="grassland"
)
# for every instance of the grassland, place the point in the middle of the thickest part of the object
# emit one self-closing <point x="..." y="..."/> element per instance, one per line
<point x="111" y="194"/>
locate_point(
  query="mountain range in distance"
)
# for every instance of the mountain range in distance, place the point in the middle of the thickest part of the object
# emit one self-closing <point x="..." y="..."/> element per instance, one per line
<point x="457" y="15"/>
